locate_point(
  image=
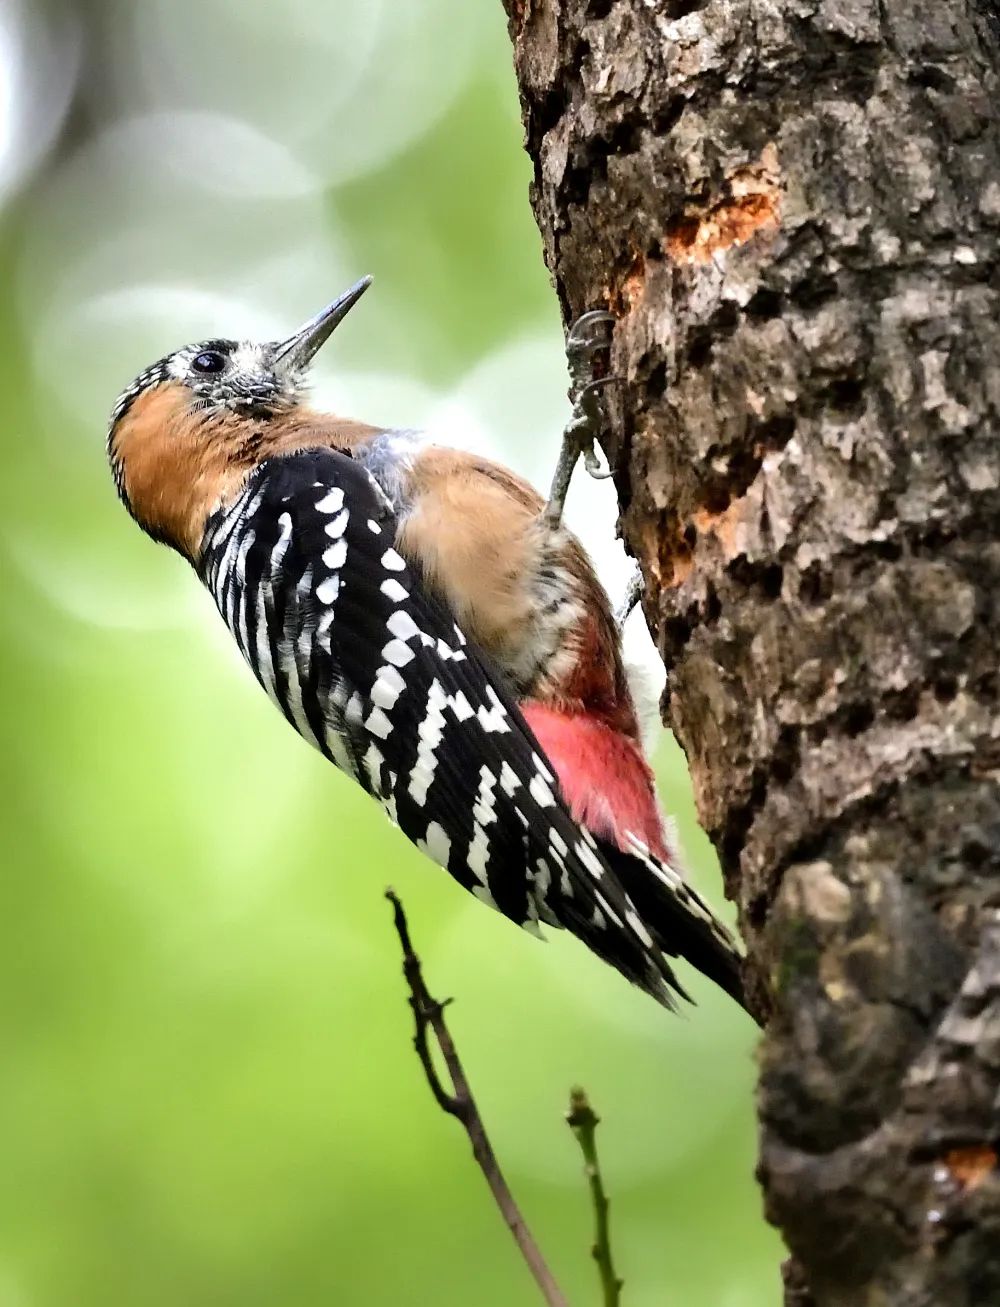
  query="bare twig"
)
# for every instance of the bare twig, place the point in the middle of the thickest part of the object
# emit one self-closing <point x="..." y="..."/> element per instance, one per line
<point x="583" y="1121"/>
<point x="428" y="1015"/>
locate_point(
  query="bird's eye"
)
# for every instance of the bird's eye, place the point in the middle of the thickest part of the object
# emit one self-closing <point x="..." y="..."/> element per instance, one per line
<point x="209" y="360"/>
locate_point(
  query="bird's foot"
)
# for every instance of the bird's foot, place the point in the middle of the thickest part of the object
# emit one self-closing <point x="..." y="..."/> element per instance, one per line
<point x="634" y="591"/>
<point x="587" y="342"/>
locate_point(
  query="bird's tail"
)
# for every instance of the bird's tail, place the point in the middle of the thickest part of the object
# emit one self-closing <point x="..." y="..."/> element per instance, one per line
<point x="678" y="919"/>
<point x="609" y="789"/>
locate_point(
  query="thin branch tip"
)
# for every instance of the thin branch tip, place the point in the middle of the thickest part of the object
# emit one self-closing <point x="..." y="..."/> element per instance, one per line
<point x="583" y="1121"/>
<point x="428" y="1019"/>
<point x="581" y="1115"/>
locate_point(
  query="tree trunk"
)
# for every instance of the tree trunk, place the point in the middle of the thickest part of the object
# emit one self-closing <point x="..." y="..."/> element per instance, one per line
<point x="793" y="206"/>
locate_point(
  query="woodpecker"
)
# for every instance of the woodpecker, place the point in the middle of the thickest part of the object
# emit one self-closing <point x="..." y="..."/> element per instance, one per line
<point x="422" y="616"/>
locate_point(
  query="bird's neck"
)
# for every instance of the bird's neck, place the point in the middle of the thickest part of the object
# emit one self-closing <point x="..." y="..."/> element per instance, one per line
<point x="176" y="469"/>
<point x="305" y="428"/>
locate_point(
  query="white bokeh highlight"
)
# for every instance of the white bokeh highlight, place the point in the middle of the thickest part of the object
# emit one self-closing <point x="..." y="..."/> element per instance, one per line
<point x="39" y="65"/>
<point x="333" y="90"/>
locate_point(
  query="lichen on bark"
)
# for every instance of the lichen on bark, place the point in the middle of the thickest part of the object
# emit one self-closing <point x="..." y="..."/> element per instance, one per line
<point x="794" y="207"/>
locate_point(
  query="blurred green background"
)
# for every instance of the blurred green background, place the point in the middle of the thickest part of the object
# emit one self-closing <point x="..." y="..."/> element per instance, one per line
<point x="208" y="1094"/>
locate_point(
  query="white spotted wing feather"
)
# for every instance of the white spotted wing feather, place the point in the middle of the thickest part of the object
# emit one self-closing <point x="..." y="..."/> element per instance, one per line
<point x="371" y="669"/>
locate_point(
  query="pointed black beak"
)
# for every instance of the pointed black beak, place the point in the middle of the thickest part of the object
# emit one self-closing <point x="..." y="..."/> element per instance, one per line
<point x="299" y="349"/>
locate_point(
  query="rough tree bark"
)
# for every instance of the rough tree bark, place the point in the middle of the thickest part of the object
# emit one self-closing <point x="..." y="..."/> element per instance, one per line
<point x="794" y="205"/>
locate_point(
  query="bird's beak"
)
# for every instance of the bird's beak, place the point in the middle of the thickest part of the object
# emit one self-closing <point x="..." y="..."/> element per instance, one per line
<point x="299" y="349"/>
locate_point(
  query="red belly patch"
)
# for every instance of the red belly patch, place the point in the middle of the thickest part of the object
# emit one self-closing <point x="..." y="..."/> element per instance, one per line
<point x="603" y="776"/>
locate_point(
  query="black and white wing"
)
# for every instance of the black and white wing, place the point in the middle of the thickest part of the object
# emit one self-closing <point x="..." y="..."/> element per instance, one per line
<point x="346" y="639"/>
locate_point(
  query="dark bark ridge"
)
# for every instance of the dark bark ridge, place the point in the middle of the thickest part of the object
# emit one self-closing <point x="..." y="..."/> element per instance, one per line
<point x="794" y="207"/>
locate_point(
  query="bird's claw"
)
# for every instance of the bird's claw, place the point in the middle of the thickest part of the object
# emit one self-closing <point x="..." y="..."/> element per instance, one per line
<point x="582" y="336"/>
<point x="634" y="591"/>
<point x="593" y="465"/>
<point x="584" y="422"/>
<point x="586" y="340"/>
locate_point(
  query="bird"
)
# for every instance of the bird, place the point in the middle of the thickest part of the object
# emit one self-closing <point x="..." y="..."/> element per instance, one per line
<point x="423" y="617"/>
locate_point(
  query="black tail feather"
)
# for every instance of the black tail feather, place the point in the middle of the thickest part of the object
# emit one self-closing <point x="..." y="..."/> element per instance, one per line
<point x="680" y="922"/>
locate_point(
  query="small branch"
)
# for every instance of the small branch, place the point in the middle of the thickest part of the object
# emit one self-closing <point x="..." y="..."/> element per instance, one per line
<point x="583" y="1121"/>
<point x="428" y="1017"/>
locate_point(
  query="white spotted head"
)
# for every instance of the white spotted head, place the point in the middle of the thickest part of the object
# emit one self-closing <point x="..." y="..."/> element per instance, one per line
<point x="207" y="406"/>
<point x="241" y="376"/>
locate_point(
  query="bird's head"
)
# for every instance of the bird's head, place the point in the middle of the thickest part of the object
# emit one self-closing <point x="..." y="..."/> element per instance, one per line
<point x="206" y="411"/>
